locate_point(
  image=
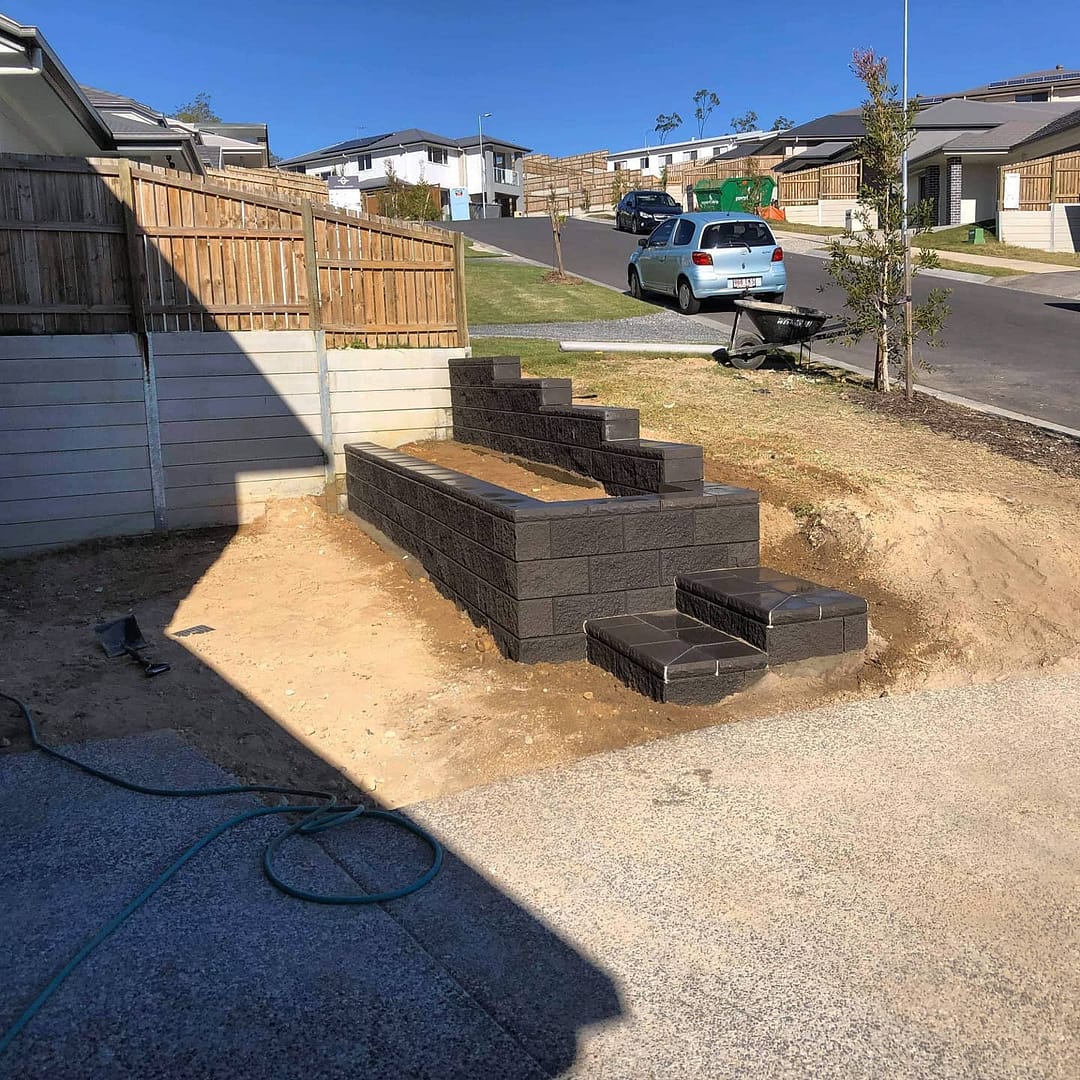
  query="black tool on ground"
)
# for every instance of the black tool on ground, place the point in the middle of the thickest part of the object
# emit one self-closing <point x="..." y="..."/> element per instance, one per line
<point x="122" y="637"/>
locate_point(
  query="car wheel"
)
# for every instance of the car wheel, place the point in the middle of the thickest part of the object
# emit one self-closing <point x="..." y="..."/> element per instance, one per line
<point x="618" y="223"/>
<point x="743" y="361"/>
<point x="685" y="299"/>
<point x="636" y="290"/>
<point x="773" y="298"/>
<point x="635" y="225"/>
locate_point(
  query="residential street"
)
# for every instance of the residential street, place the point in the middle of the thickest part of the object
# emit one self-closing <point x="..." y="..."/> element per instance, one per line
<point x="1013" y="349"/>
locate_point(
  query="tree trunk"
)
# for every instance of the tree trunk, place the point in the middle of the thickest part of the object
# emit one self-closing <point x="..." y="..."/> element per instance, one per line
<point x="556" y="232"/>
<point x="881" y="365"/>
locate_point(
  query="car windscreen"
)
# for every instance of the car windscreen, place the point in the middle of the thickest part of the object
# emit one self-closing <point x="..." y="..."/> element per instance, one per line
<point x="654" y="198"/>
<point x="724" y="234"/>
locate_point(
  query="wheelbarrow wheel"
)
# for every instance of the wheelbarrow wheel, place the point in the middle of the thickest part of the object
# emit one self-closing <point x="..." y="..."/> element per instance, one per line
<point x="685" y="299"/>
<point x="747" y="352"/>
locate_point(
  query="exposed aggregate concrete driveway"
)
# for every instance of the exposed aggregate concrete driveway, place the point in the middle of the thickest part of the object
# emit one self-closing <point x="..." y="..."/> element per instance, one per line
<point x="885" y="889"/>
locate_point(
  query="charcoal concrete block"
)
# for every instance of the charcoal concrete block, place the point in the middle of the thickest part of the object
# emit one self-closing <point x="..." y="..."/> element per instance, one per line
<point x="855" y="632"/>
<point x="800" y="641"/>
<point x="587" y="535"/>
<point x="686" y="560"/>
<point x="552" y="577"/>
<point x="630" y="570"/>
<point x="671" y="528"/>
<point x="726" y="524"/>
<point x="570" y="612"/>
<point x="549" y="650"/>
<point x="659" y="598"/>
<point x="682" y="468"/>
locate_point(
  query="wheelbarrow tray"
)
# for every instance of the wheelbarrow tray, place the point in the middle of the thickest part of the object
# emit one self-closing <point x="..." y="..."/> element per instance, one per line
<point x="782" y="324"/>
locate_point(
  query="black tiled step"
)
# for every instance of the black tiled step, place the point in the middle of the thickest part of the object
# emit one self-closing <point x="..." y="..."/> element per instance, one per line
<point x="788" y="617"/>
<point x="670" y="656"/>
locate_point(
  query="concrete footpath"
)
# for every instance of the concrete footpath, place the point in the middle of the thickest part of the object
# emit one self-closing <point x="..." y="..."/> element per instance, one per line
<point x="887" y="888"/>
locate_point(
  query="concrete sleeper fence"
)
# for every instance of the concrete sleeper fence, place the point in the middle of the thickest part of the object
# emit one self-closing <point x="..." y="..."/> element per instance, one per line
<point x="659" y="584"/>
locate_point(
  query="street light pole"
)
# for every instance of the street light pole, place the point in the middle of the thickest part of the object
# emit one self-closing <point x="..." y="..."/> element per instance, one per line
<point x="483" y="165"/>
<point x="909" y="375"/>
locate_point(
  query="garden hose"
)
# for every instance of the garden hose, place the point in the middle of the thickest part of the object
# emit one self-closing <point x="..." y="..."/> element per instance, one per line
<point x="317" y="816"/>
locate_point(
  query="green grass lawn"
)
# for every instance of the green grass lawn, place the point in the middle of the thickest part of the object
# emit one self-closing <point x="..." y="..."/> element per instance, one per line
<point x="810" y="230"/>
<point x="957" y="240"/>
<point x="538" y="357"/>
<point x="473" y="253"/>
<point x="500" y="292"/>
<point x="976" y="268"/>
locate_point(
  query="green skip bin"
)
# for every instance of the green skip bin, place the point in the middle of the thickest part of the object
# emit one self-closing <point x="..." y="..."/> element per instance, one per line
<point x="731" y="194"/>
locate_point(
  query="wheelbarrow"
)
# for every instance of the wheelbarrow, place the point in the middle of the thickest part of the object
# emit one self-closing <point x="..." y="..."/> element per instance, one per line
<point x="774" y="326"/>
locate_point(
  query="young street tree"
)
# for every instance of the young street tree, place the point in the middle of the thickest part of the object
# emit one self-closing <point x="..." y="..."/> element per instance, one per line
<point x="197" y="111"/>
<point x="408" y="202"/>
<point x="704" y="101"/>
<point x="869" y="264"/>
<point x="747" y="122"/>
<point x="666" y="123"/>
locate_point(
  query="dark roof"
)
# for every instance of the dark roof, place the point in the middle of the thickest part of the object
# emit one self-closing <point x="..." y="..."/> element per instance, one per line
<point x="746" y="149"/>
<point x="961" y="113"/>
<point x="408" y="137"/>
<point x="1046" y="77"/>
<point x="104" y="100"/>
<point x="842" y="125"/>
<point x="815" y="155"/>
<point x="1056" y="127"/>
<point x="474" y="140"/>
<point x="209" y="155"/>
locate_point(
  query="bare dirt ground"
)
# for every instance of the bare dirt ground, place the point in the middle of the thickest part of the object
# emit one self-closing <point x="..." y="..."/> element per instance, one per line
<point x="328" y="663"/>
<point x="543" y="482"/>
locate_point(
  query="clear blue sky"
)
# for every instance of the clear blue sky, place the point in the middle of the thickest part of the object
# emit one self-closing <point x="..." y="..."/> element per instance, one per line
<point x="561" y="77"/>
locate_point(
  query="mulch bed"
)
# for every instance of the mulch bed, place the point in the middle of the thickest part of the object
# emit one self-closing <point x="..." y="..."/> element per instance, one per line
<point x="1059" y="453"/>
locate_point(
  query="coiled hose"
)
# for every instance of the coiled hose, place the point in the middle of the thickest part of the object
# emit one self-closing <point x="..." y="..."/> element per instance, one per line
<point x="326" y="813"/>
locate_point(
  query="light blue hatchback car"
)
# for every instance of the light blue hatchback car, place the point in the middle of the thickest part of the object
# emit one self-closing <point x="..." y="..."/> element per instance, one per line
<point x="700" y="256"/>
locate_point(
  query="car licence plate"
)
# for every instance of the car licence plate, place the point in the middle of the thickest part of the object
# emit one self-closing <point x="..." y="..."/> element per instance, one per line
<point x="745" y="282"/>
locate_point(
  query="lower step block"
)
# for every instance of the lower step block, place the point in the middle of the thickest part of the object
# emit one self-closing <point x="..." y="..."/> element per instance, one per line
<point x="669" y="656"/>
<point x="787" y="617"/>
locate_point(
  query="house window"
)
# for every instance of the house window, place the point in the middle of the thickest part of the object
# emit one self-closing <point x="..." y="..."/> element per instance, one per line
<point x="644" y="162"/>
<point x="666" y="159"/>
<point x="437" y="155"/>
<point x="1043" y="95"/>
<point x="363" y="162"/>
<point x="691" y="155"/>
<point x="620" y="165"/>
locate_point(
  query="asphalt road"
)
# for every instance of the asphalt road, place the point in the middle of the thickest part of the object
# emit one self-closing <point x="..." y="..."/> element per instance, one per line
<point x="1015" y="350"/>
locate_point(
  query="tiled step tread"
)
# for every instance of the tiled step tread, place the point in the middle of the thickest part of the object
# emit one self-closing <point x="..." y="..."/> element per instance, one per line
<point x="771" y="597"/>
<point x="671" y="645"/>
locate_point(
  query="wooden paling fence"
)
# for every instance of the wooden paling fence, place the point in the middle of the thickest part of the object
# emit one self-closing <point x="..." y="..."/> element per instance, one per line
<point x="105" y="246"/>
<point x="1044" y="181"/>
<point x="270" y="182"/>
<point x="808" y="186"/>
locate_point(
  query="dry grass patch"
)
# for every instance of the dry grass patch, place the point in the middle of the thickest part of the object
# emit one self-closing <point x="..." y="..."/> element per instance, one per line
<point x="971" y="558"/>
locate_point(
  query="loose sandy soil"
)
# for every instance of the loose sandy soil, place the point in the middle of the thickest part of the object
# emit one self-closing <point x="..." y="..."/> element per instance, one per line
<point x="328" y="662"/>
<point x="543" y="482"/>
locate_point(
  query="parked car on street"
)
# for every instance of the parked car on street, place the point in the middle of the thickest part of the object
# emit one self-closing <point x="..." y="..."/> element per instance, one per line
<point x="641" y="211"/>
<point x="701" y="256"/>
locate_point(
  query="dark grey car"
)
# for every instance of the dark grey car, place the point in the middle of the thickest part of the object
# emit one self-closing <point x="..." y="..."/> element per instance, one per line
<point x="642" y="211"/>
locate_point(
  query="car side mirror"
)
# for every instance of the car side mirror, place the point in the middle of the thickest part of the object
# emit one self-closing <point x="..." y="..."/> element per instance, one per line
<point x="643" y="242"/>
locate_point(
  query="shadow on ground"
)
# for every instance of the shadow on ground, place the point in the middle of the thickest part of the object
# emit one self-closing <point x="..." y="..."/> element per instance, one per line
<point x="220" y="974"/>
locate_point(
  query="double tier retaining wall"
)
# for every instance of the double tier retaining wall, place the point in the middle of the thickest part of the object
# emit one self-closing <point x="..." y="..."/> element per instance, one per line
<point x="532" y="572"/>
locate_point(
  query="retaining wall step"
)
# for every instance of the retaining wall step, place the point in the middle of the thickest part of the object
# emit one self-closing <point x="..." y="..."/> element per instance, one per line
<point x="787" y="617"/>
<point x="672" y="657"/>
